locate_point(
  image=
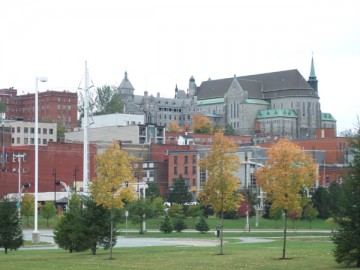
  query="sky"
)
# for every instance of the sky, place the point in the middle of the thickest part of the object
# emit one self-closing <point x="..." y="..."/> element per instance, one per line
<point x="162" y="43"/>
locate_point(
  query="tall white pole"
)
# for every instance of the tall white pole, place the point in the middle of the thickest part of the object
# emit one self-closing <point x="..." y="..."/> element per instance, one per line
<point x="36" y="232"/>
<point x="19" y="201"/>
<point x="86" y="106"/>
<point x="36" y="235"/>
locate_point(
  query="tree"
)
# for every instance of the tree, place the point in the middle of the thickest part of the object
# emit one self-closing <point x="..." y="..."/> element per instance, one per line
<point x="11" y="236"/>
<point x="152" y="191"/>
<point x="69" y="232"/>
<point x="27" y="207"/>
<point x="108" y="100"/>
<point x="287" y="172"/>
<point x="221" y="186"/>
<point x="179" y="193"/>
<point x="158" y="206"/>
<point x="202" y="226"/>
<point x="96" y="224"/>
<point x="60" y="132"/>
<point x="114" y="185"/>
<point x="276" y="214"/>
<point x="180" y="224"/>
<point x="321" y="201"/>
<point x="229" y="130"/>
<point x="3" y="107"/>
<point x="347" y="237"/>
<point x="195" y="211"/>
<point x="166" y="226"/>
<point x="294" y="217"/>
<point x="310" y="213"/>
<point x="334" y="198"/>
<point x="48" y="210"/>
<point x="140" y="209"/>
<point x="176" y="211"/>
<point x="173" y="126"/>
<point x="202" y="124"/>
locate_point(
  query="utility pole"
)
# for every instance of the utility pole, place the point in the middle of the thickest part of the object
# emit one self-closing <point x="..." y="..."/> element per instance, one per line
<point x="18" y="156"/>
<point x="3" y="116"/>
<point x="86" y="107"/>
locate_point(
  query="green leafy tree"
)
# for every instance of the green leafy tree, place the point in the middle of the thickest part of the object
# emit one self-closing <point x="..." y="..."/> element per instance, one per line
<point x="108" y="100"/>
<point x="60" y="133"/>
<point x="152" y="191"/>
<point x="95" y="221"/>
<point x="166" y="226"/>
<point x="287" y="172"/>
<point x="11" y="236"/>
<point x="48" y="210"/>
<point x="202" y="226"/>
<point x="334" y="198"/>
<point x="221" y="186"/>
<point x="27" y="207"/>
<point x="195" y="211"/>
<point x="3" y="107"/>
<point x="176" y="211"/>
<point x="276" y="214"/>
<point x="310" y="213"/>
<point x="139" y="210"/>
<point x="158" y="206"/>
<point x="229" y="130"/>
<point x="180" y="193"/>
<point x="114" y="185"/>
<point x="69" y="231"/>
<point x="179" y="224"/>
<point x="347" y="237"/>
<point x="321" y="201"/>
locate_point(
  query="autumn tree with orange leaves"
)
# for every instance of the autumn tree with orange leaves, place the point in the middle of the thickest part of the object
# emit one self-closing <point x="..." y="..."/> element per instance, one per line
<point x="114" y="184"/>
<point x="221" y="186"/>
<point x="287" y="172"/>
<point x="174" y="127"/>
<point x="202" y="124"/>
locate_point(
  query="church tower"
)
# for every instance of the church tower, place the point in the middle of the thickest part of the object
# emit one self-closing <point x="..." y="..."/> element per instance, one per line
<point x="192" y="87"/>
<point x="312" y="78"/>
<point x="126" y="89"/>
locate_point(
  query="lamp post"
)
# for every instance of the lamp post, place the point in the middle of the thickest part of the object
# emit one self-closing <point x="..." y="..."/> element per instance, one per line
<point x="36" y="235"/>
<point x="18" y="156"/>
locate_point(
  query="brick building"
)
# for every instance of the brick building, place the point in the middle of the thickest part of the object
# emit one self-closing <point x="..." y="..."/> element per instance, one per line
<point x="57" y="106"/>
<point x="61" y="161"/>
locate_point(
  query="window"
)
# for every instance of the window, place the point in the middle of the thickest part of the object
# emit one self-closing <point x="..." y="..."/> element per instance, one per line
<point x="44" y="141"/>
<point x="12" y="130"/>
<point x="32" y="130"/>
<point x="26" y="140"/>
<point x="186" y="159"/>
<point x="194" y="170"/>
<point x="32" y="141"/>
<point x="51" y="131"/>
<point x="186" y="170"/>
<point x="175" y="160"/>
<point x="44" y="131"/>
<point x="26" y="130"/>
<point x="194" y="159"/>
<point x="175" y="170"/>
<point x="18" y="140"/>
<point x="39" y="130"/>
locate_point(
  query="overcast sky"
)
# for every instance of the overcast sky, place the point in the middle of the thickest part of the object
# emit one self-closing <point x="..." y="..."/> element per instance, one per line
<point x="161" y="43"/>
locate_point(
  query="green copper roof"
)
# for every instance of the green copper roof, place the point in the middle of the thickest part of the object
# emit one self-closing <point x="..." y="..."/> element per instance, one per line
<point x="256" y="101"/>
<point x="276" y="113"/>
<point x="210" y="101"/>
<point x="312" y="70"/>
<point x="327" y="117"/>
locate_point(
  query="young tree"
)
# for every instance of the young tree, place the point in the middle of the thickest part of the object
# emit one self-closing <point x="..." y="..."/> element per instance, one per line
<point x="229" y="130"/>
<point x="48" y="210"/>
<point x="347" y="237"/>
<point x="321" y="201"/>
<point x="166" y="226"/>
<point x="195" y="211"/>
<point x="69" y="231"/>
<point x="287" y="172"/>
<point x="202" y="226"/>
<point x="334" y="198"/>
<point x="152" y="191"/>
<point x="176" y="211"/>
<point x="276" y="214"/>
<point x="158" y="206"/>
<point x="140" y="209"/>
<point x="310" y="213"/>
<point x="180" y="193"/>
<point x="27" y="207"/>
<point x="11" y="236"/>
<point x="221" y="186"/>
<point x="202" y="124"/>
<point x="180" y="224"/>
<point x="114" y="184"/>
<point x="173" y="126"/>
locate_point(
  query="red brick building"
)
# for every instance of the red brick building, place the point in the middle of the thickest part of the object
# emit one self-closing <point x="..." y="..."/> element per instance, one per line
<point x="66" y="159"/>
<point x="58" y="106"/>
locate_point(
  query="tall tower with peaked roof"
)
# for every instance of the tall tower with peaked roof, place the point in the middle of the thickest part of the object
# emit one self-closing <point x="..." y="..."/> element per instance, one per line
<point x="126" y="89"/>
<point x="312" y="78"/>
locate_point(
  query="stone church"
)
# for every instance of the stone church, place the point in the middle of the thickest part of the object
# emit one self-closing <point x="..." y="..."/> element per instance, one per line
<point x="281" y="103"/>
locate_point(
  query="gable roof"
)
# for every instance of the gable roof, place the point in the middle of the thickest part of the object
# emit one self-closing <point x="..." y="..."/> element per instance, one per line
<point x="260" y="86"/>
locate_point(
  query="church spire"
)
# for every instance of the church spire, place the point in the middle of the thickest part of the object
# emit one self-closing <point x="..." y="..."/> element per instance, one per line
<point x="312" y="77"/>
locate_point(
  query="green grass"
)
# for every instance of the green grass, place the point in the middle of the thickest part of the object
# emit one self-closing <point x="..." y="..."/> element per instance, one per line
<point x="307" y="253"/>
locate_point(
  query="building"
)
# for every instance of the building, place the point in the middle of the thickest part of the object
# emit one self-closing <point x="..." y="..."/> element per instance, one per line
<point x="282" y="104"/>
<point x="57" y="106"/>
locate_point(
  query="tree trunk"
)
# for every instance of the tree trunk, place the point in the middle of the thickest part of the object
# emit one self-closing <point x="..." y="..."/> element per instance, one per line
<point x="94" y="249"/>
<point x="6" y="250"/>
<point x="284" y="246"/>
<point x="111" y="233"/>
<point x="358" y="262"/>
<point x="221" y="233"/>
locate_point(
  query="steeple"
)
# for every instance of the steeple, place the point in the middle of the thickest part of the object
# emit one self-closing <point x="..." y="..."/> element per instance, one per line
<point x="312" y="78"/>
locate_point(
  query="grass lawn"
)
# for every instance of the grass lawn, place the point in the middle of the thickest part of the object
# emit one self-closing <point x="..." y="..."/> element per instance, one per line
<point x="308" y="253"/>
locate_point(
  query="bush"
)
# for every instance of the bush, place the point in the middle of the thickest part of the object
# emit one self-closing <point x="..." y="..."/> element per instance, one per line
<point x="202" y="226"/>
<point x="180" y="225"/>
<point x="166" y="226"/>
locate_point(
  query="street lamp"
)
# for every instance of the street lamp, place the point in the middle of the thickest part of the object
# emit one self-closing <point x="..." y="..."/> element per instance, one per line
<point x="36" y="235"/>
